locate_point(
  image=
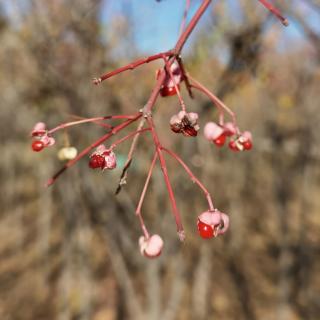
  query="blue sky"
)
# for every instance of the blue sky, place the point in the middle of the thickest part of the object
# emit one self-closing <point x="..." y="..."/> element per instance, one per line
<point x="156" y="25"/>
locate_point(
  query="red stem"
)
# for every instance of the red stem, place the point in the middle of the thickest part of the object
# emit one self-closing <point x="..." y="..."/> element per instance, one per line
<point x="163" y="165"/>
<point x="185" y="35"/>
<point x="131" y="66"/>
<point x="143" y="194"/>
<point x="192" y="176"/>
<point x="275" y="11"/>
<point x="185" y="77"/>
<point x="220" y="105"/>
<point x="182" y="104"/>
<point x="184" y="18"/>
<point x="74" y="123"/>
<point x="88" y="149"/>
<point x="98" y="123"/>
<point x="130" y="135"/>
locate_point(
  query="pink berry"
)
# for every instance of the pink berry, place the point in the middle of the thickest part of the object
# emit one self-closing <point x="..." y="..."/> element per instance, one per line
<point x="37" y="145"/>
<point x="151" y="247"/>
<point x="219" y="142"/>
<point x="205" y="230"/>
<point x="96" y="161"/>
<point x="230" y="129"/>
<point x="39" y="129"/>
<point x="212" y="131"/>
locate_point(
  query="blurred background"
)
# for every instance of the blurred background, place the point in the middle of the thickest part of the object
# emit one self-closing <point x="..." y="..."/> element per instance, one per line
<point x="71" y="251"/>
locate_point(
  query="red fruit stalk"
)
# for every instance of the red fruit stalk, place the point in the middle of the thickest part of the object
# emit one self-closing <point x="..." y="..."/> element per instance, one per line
<point x="210" y="223"/>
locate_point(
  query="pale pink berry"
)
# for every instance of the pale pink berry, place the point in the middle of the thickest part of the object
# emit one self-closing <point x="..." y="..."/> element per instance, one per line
<point x="247" y="135"/>
<point x="151" y="247"/>
<point x="212" y="131"/>
<point x="39" y="129"/>
<point x="229" y="129"/>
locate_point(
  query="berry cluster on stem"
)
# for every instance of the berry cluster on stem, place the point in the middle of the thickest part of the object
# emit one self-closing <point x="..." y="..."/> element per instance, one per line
<point x="169" y="79"/>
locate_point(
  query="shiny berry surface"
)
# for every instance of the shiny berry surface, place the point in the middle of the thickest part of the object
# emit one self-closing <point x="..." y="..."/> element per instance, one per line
<point x="96" y="161"/>
<point x="168" y="91"/>
<point x="219" y="142"/>
<point x="37" y="145"/>
<point x="233" y="146"/>
<point x="247" y="145"/>
<point x="205" y="230"/>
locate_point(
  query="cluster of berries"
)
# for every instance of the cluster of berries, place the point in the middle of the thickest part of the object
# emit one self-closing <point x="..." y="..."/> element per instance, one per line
<point x="103" y="158"/>
<point x="185" y="123"/>
<point x="41" y="137"/>
<point x="218" y="134"/>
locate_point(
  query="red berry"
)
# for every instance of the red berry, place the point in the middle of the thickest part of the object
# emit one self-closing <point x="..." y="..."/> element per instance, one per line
<point x="205" y="230"/>
<point x="219" y="142"/>
<point x="168" y="91"/>
<point x="233" y="146"/>
<point x="247" y="145"/>
<point x="96" y="161"/>
<point x="37" y="145"/>
<point x="190" y="131"/>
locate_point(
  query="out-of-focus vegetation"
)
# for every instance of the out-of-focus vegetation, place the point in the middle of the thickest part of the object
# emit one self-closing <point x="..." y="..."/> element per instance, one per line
<point x="70" y="252"/>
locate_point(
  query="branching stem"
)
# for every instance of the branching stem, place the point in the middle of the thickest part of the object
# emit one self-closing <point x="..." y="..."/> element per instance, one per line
<point x="192" y="176"/>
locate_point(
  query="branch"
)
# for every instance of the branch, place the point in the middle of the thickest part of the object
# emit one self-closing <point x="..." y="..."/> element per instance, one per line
<point x="131" y="66"/>
<point x="88" y="149"/>
<point x="145" y="187"/>
<point x="74" y="123"/>
<point x="275" y="12"/>
<point x="163" y="165"/>
<point x="192" y="176"/>
<point x="220" y="105"/>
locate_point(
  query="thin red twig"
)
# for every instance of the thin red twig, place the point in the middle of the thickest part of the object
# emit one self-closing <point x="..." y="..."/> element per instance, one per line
<point x="168" y="69"/>
<point x="98" y="123"/>
<point x="163" y="165"/>
<point x="143" y="194"/>
<point x="130" y="135"/>
<point x="124" y="174"/>
<point x="74" y="123"/>
<point x="184" y="18"/>
<point x="185" y="77"/>
<point x="192" y="176"/>
<point x="220" y="105"/>
<point x="131" y="66"/>
<point x="93" y="145"/>
<point x="275" y="11"/>
<point x="194" y="21"/>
